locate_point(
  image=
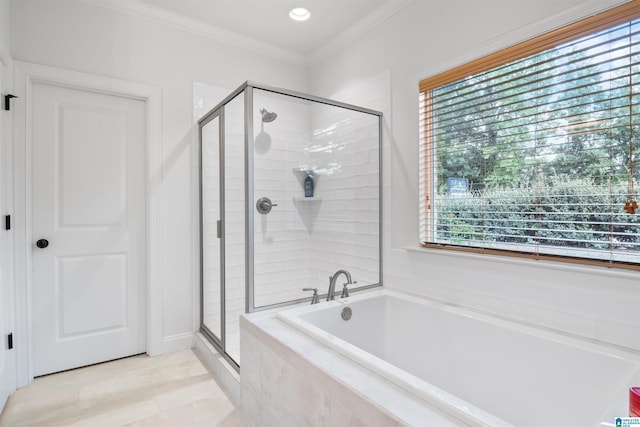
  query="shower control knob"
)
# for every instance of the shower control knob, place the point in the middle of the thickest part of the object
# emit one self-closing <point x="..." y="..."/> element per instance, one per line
<point x="264" y="205"/>
<point x="42" y="243"/>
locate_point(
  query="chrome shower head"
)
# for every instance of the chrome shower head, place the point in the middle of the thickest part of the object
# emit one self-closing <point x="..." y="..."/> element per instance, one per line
<point x="267" y="117"/>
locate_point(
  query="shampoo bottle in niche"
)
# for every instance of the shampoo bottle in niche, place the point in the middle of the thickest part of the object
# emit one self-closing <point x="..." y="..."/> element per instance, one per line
<point x="308" y="186"/>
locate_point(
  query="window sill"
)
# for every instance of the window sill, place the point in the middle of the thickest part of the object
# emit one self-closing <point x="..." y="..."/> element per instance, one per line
<point x="525" y="262"/>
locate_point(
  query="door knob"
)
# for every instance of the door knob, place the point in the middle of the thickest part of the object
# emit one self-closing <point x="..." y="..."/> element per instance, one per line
<point x="42" y="243"/>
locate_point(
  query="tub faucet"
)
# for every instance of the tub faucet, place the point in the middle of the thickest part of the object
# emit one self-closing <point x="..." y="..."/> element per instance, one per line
<point x="332" y="283"/>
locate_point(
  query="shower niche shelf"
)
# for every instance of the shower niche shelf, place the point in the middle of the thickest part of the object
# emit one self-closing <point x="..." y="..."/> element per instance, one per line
<point x="302" y="172"/>
<point x="307" y="199"/>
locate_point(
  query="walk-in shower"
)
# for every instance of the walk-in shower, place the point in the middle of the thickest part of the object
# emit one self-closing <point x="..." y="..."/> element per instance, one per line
<point x="284" y="203"/>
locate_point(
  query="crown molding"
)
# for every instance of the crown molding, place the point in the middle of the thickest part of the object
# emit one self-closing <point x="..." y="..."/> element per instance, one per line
<point x="374" y="18"/>
<point x="162" y="16"/>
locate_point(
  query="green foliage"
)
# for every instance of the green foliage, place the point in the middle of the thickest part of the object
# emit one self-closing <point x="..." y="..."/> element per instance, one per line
<point x="575" y="214"/>
<point x="562" y="114"/>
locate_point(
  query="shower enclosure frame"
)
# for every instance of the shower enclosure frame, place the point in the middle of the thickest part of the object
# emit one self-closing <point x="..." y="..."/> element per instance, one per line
<point x="218" y="342"/>
<point x="218" y="111"/>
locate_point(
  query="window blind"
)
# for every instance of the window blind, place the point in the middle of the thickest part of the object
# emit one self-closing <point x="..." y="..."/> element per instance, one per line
<point x="535" y="156"/>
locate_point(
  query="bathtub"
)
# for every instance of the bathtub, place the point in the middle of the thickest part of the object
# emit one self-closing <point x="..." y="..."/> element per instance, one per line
<point x="481" y="370"/>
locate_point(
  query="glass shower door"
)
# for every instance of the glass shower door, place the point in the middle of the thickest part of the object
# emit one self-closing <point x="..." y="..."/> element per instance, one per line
<point x="223" y="226"/>
<point x="212" y="291"/>
<point x="234" y="224"/>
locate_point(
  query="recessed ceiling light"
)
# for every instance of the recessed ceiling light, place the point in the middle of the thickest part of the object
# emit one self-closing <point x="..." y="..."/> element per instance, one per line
<point x="299" y="14"/>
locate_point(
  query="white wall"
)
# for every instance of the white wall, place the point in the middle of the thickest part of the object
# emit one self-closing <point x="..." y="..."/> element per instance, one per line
<point x="7" y="358"/>
<point x="85" y="37"/>
<point x="429" y="37"/>
<point x="5" y="20"/>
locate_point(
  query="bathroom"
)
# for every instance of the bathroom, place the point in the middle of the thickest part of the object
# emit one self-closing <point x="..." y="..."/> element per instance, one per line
<point x="378" y="67"/>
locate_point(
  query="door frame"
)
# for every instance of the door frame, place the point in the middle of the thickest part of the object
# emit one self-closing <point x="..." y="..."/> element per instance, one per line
<point x="25" y="75"/>
<point x="6" y="269"/>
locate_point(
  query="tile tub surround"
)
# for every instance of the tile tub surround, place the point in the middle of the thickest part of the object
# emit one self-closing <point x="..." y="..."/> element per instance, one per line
<point x="534" y="359"/>
<point x="289" y="379"/>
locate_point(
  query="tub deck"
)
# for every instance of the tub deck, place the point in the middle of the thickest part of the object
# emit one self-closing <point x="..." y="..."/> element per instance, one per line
<point x="290" y="379"/>
<point x="481" y="370"/>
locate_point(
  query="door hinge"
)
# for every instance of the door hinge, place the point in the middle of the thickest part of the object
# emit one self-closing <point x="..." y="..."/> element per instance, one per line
<point x="7" y="222"/>
<point x="219" y="228"/>
<point x="10" y="341"/>
<point x="7" y="101"/>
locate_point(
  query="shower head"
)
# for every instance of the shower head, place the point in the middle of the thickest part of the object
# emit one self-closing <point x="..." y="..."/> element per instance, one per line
<point x="267" y="117"/>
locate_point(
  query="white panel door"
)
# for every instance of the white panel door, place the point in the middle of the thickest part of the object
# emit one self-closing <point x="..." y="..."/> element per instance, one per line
<point x="88" y="227"/>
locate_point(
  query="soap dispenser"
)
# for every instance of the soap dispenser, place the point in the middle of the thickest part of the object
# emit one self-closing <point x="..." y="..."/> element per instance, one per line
<point x="308" y="186"/>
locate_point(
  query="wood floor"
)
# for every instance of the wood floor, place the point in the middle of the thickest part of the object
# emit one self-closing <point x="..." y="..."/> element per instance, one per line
<point x="169" y="390"/>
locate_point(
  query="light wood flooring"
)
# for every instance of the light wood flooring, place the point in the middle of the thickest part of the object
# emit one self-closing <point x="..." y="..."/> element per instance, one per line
<point x="169" y="390"/>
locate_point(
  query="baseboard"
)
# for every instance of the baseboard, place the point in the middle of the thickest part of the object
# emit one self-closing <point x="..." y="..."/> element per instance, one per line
<point x="178" y="342"/>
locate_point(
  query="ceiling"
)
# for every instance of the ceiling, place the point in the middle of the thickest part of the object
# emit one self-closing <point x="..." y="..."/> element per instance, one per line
<point x="264" y="25"/>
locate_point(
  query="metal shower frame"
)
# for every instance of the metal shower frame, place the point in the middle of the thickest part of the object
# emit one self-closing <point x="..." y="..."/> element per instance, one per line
<point x="219" y="111"/>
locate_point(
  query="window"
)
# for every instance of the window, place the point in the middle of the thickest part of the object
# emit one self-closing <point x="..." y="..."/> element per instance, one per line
<point x="531" y="151"/>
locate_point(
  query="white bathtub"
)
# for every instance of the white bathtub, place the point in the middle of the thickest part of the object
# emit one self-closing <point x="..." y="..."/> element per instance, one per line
<point x="481" y="370"/>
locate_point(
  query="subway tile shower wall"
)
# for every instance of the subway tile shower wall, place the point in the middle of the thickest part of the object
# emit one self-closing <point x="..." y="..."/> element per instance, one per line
<point x="305" y="239"/>
<point x="346" y="234"/>
<point x="282" y="248"/>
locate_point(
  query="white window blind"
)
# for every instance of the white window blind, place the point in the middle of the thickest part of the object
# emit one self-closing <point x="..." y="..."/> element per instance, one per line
<point x="536" y="156"/>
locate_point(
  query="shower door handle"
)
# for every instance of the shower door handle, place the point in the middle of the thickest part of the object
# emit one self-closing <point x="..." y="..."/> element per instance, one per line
<point x="264" y="205"/>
